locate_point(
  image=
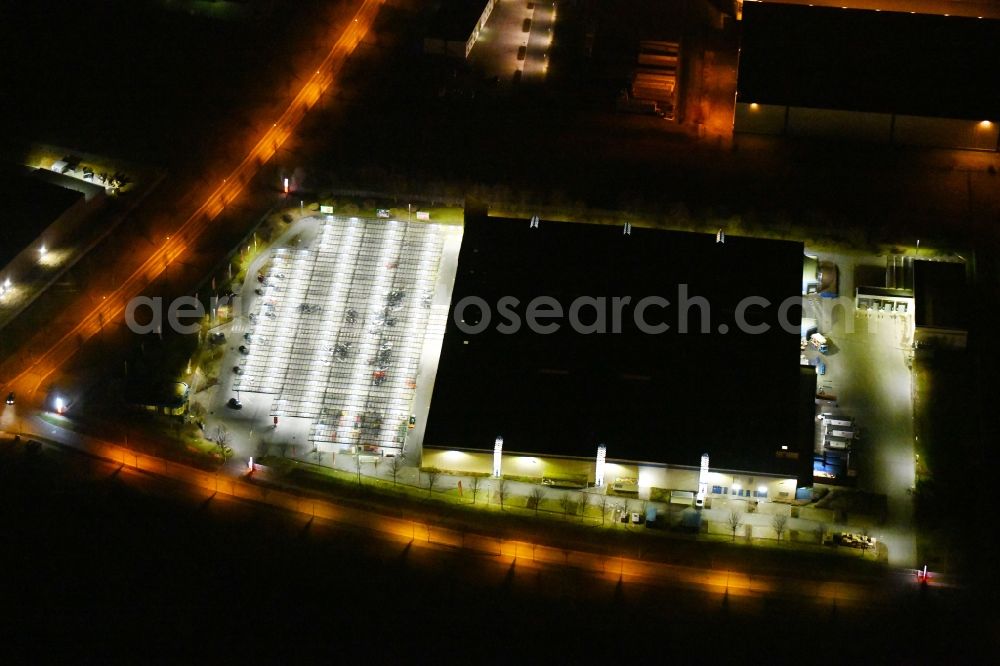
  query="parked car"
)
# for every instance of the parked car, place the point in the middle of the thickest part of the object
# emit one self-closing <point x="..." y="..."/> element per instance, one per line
<point x="234" y="404"/>
<point x="244" y="350"/>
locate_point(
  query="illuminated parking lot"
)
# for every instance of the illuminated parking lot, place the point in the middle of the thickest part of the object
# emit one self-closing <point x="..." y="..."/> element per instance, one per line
<point x="337" y="333"/>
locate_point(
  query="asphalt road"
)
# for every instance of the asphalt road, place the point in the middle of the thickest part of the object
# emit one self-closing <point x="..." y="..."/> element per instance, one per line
<point x="149" y="548"/>
<point x="88" y="315"/>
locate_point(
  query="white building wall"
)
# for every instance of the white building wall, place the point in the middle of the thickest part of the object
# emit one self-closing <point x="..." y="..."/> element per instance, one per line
<point x="646" y="476"/>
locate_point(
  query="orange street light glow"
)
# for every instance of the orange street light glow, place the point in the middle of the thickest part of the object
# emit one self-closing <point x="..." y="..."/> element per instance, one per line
<point x="68" y="344"/>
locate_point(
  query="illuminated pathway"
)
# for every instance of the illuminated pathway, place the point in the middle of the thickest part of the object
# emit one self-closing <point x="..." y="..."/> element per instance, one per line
<point x="112" y="306"/>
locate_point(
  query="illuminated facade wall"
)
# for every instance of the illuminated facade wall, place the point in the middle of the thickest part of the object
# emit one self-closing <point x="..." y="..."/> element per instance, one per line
<point x="480" y="24"/>
<point x="946" y="132"/>
<point x="451" y="39"/>
<point x="753" y="118"/>
<point x="644" y="477"/>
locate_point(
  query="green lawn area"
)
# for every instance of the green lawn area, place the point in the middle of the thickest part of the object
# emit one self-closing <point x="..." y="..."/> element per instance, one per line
<point x="216" y="9"/>
<point x="552" y="525"/>
<point x="367" y="208"/>
<point x="40" y="155"/>
<point x="150" y="434"/>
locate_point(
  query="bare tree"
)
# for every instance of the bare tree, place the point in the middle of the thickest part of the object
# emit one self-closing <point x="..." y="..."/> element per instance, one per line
<point x="618" y="506"/>
<point x="501" y="491"/>
<point x="820" y="532"/>
<point x="735" y="522"/>
<point x="474" y="484"/>
<point x="395" y="464"/>
<point x="581" y="505"/>
<point x="262" y="449"/>
<point x="778" y="523"/>
<point x="567" y="504"/>
<point x="602" y="501"/>
<point x="432" y="477"/>
<point x="535" y="497"/>
<point x="222" y="435"/>
<point x="865" y="545"/>
<point x="222" y="439"/>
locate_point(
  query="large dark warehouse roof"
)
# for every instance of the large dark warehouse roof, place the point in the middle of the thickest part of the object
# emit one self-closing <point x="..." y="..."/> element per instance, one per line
<point x="861" y="60"/>
<point x="30" y="205"/>
<point x="659" y="398"/>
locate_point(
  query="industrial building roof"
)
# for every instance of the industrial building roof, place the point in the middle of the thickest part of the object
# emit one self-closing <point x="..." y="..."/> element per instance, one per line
<point x="454" y="20"/>
<point x="940" y="294"/>
<point x="862" y="60"/>
<point x="29" y="206"/>
<point x="663" y="398"/>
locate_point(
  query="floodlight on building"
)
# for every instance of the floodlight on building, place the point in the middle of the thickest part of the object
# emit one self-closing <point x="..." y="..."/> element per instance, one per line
<point x="42" y="251"/>
<point x="762" y="489"/>
<point x="754" y="105"/>
<point x="60" y="405"/>
<point x="497" y="456"/>
<point x="737" y="485"/>
<point x="602" y="454"/>
<point x="286" y="186"/>
<point x="985" y="124"/>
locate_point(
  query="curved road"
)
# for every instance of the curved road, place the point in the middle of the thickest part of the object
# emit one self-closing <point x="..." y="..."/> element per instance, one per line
<point x="25" y="378"/>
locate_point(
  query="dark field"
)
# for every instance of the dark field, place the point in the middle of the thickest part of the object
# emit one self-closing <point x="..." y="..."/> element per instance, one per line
<point x="128" y="79"/>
